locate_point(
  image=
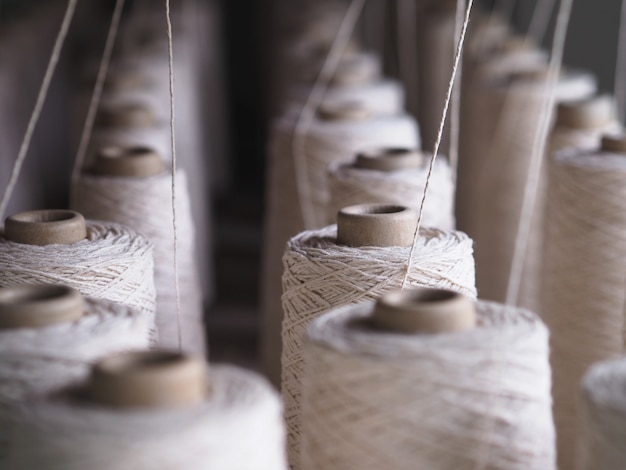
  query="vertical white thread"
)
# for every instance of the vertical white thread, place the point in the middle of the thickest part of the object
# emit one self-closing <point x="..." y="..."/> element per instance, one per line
<point x="442" y="123"/>
<point x="97" y="93"/>
<point x="538" y="150"/>
<point x="315" y="97"/>
<point x="455" y="113"/>
<point x="620" y="66"/>
<point x="41" y="99"/>
<point x="170" y="54"/>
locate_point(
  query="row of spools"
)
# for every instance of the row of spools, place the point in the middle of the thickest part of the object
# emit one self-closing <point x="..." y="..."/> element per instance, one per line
<point x="364" y="393"/>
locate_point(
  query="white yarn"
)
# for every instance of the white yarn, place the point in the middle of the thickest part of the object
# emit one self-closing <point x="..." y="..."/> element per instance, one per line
<point x="350" y="185"/>
<point x="113" y="263"/>
<point x="144" y="204"/>
<point x="37" y="360"/>
<point x="238" y="427"/>
<point x="284" y="217"/>
<point x="604" y="417"/>
<point x="320" y="275"/>
<point x="584" y="272"/>
<point x="473" y="399"/>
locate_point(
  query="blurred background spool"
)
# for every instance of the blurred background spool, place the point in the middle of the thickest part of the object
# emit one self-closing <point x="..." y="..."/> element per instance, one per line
<point x="344" y="131"/>
<point x="48" y="337"/>
<point x="132" y="186"/>
<point x="362" y="257"/>
<point x="385" y="387"/>
<point x="584" y="272"/>
<point x="230" y="420"/>
<point x="603" y="417"/>
<point x="502" y="175"/>
<point x="393" y="176"/>
<point x="101" y="260"/>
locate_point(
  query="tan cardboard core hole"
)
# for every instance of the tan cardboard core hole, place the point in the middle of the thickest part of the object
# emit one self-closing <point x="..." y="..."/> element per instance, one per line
<point x="588" y="113"/>
<point x="376" y="225"/>
<point x="131" y="116"/>
<point x="45" y="227"/>
<point x="342" y="112"/>
<point x="424" y="310"/>
<point x="138" y="162"/>
<point x="149" y="379"/>
<point x="613" y="143"/>
<point x="389" y="159"/>
<point x="35" y="306"/>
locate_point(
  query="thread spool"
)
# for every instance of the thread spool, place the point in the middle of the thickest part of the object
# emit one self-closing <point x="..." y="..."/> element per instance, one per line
<point x="394" y="176"/>
<point x="48" y="337"/>
<point x="135" y="195"/>
<point x="404" y="392"/>
<point x="321" y="274"/>
<point x="583" y="278"/>
<point x="111" y="262"/>
<point x="129" y="116"/>
<point x="237" y="425"/>
<point x="603" y="417"/>
<point x="591" y="113"/>
<point x="376" y="225"/>
<point x="327" y="142"/>
<point x="357" y="69"/>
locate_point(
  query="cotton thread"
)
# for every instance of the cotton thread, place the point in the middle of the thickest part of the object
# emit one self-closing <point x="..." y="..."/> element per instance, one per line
<point x="320" y="274"/>
<point x="41" y="99"/>
<point x="237" y="427"/>
<point x="138" y="203"/>
<point x="584" y="272"/>
<point x="375" y="399"/>
<point x="113" y="263"/>
<point x="457" y="57"/>
<point x="603" y="417"/>
<point x="350" y="185"/>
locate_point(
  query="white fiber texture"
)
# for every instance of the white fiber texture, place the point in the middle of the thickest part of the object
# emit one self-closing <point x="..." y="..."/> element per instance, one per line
<point x="320" y="275"/>
<point x="155" y="136"/>
<point x="37" y="360"/>
<point x="238" y="427"/>
<point x="603" y="417"/>
<point x="145" y="205"/>
<point x="350" y="185"/>
<point x="330" y="142"/>
<point x="583" y="275"/>
<point x="472" y="399"/>
<point x="113" y="263"/>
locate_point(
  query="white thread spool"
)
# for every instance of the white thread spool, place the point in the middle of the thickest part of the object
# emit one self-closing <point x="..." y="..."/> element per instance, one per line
<point x="584" y="272"/>
<point x="416" y="385"/>
<point x="99" y="259"/>
<point x="503" y="174"/>
<point x="327" y="142"/>
<point x="48" y="337"/>
<point x="578" y="124"/>
<point x="360" y="259"/>
<point x="158" y="411"/>
<point x="129" y="186"/>
<point x="394" y="176"/>
<point x="603" y="417"/>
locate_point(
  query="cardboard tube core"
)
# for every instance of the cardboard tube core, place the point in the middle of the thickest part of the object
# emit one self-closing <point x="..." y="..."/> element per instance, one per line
<point x="45" y="227"/>
<point x="138" y="162"/>
<point x="376" y="225"/>
<point x="389" y="159"/>
<point x="354" y="70"/>
<point x="131" y="116"/>
<point x="588" y="113"/>
<point x="36" y="306"/>
<point x="614" y="143"/>
<point x="424" y="310"/>
<point x="124" y="81"/>
<point x="149" y="379"/>
<point x="347" y="111"/>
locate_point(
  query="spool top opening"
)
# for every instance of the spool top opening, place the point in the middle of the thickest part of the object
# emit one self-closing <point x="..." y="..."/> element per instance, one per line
<point x="149" y="379"/>
<point x="128" y="116"/>
<point x="613" y="143"/>
<point x="36" y="306"/>
<point x="389" y="159"/>
<point x="354" y="69"/>
<point x="587" y="113"/>
<point x="424" y="310"/>
<point x="138" y="162"/>
<point x="45" y="227"/>
<point x="344" y="111"/>
<point x="376" y="225"/>
<point x="126" y="80"/>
